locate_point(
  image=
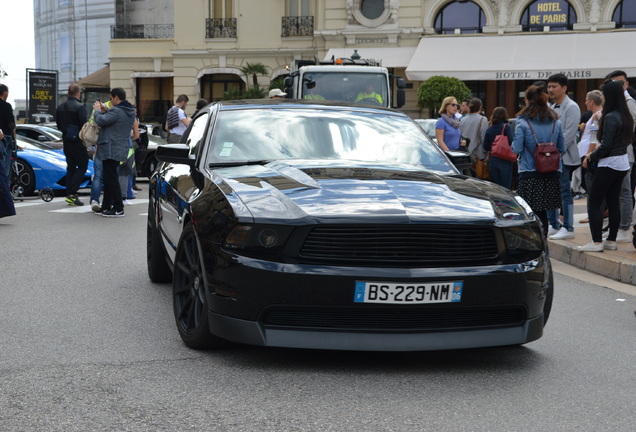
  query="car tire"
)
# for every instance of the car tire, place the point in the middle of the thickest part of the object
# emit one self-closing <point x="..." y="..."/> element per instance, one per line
<point x="189" y="295"/>
<point x="158" y="269"/>
<point x="25" y="176"/>
<point x="547" y="306"/>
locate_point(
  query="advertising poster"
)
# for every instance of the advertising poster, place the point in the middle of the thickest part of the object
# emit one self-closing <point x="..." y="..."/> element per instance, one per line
<point x="41" y="95"/>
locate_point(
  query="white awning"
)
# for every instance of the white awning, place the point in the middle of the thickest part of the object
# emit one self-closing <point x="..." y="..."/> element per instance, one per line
<point x="396" y="57"/>
<point x="524" y="57"/>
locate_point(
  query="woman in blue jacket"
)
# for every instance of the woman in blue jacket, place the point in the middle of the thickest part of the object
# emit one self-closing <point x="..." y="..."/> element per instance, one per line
<point x="615" y="133"/>
<point x="537" y="123"/>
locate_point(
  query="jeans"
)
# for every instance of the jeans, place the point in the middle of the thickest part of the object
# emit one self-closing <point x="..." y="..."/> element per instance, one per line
<point x="500" y="171"/>
<point x="606" y="186"/>
<point x="98" y="179"/>
<point x="626" y="197"/>
<point x="567" y="202"/>
<point x="112" y="191"/>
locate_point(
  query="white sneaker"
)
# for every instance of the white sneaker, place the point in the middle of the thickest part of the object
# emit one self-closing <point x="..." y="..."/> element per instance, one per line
<point x="562" y="234"/>
<point x="624" y="236"/>
<point x="552" y="231"/>
<point x="95" y="206"/>
<point x="590" y="247"/>
<point x="126" y="202"/>
<point x="609" y="245"/>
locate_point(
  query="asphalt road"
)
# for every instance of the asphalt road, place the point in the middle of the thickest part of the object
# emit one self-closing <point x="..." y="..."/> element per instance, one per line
<point x="88" y="343"/>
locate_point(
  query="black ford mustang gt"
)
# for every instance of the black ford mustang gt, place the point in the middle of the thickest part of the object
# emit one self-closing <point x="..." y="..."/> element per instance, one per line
<point x="322" y="225"/>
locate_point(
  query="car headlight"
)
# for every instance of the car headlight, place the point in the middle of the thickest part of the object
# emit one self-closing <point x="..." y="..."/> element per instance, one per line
<point x="266" y="238"/>
<point x="524" y="242"/>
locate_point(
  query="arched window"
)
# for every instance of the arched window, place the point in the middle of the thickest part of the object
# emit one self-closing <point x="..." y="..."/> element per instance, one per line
<point x="559" y="15"/>
<point x="461" y="14"/>
<point x="625" y="15"/>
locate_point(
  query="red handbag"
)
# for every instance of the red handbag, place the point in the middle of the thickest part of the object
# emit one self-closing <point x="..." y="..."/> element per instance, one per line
<point x="501" y="147"/>
<point x="546" y="156"/>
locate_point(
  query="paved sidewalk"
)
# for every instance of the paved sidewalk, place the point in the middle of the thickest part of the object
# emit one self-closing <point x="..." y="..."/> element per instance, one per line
<point x="619" y="265"/>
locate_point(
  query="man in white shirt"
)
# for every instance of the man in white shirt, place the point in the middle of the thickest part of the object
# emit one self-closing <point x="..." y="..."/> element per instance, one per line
<point x="177" y="121"/>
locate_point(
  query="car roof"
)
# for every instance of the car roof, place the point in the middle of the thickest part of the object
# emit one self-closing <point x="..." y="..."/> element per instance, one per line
<point x="298" y="103"/>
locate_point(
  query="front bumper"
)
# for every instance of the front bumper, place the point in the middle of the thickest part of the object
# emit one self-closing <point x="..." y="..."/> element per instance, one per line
<point x="501" y="305"/>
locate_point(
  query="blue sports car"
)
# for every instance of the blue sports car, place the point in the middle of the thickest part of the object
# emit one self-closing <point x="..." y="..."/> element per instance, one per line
<point x="38" y="166"/>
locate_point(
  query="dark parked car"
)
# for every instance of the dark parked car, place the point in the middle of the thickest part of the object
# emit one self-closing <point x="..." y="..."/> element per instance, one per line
<point x="323" y="225"/>
<point x="48" y="135"/>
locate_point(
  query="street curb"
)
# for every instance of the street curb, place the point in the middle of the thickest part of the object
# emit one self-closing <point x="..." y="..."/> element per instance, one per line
<point x="610" y="265"/>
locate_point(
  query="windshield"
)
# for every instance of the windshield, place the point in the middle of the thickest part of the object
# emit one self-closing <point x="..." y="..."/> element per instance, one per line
<point x="53" y="132"/>
<point x="23" y="142"/>
<point x="368" y="88"/>
<point x="280" y="134"/>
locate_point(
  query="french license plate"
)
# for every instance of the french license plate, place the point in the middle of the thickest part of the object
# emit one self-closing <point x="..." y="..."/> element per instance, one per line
<point x="408" y="293"/>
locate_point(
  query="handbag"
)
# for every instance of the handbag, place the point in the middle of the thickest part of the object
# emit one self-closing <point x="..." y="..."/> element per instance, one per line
<point x="480" y="166"/>
<point x="501" y="147"/>
<point x="481" y="169"/>
<point x="546" y="156"/>
<point x="89" y="133"/>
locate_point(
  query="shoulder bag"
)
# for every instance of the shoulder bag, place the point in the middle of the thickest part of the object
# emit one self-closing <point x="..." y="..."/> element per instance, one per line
<point x="89" y="133"/>
<point x="501" y="147"/>
<point x="546" y="155"/>
<point x="480" y="166"/>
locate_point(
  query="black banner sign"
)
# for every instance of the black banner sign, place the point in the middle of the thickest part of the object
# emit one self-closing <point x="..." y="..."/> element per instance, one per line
<point x="42" y="95"/>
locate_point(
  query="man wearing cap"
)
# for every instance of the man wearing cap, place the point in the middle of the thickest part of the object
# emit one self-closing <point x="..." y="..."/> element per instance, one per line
<point x="277" y="94"/>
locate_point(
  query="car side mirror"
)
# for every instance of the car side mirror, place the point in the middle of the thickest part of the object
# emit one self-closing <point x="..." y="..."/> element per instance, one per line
<point x="175" y="153"/>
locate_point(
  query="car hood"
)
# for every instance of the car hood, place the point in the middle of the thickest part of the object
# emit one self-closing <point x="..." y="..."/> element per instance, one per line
<point x="346" y="190"/>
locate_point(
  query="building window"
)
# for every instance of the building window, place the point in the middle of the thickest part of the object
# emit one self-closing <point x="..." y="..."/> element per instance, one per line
<point x="154" y="98"/>
<point x="220" y="9"/>
<point x="66" y="50"/>
<point x="372" y="13"/>
<point x="215" y="86"/>
<point x="558" y="15"/>
<point x="220" y="23"/>
<point x="297" y="8"/>
<point x="460" y="17"/>
<point x="625" y="15"/>
<point x="372" y="9"/>
<point x="299" y="20"/>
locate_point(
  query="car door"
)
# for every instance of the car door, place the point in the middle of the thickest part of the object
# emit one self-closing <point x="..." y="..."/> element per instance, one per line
<point x="176" y="187"/>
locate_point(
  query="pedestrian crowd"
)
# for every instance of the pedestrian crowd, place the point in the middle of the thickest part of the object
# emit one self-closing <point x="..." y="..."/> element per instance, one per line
<point x="121" y="146"/>
<point x="559" y="153"/>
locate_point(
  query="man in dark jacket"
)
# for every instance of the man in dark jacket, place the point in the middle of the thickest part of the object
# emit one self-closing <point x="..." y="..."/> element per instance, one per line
<point x="70" y="117"/>
<point x="7" y="125"/>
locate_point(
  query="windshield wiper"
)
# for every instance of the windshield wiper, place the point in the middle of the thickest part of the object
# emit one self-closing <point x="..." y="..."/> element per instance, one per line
<point x="238" y="163"/>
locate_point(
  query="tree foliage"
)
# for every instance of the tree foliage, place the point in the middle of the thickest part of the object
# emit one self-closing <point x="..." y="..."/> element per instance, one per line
<point x="277" y="83"/>
<point x="432" y="92"/>
<point x="253" y="70"/>
<point x="237" y="93"/>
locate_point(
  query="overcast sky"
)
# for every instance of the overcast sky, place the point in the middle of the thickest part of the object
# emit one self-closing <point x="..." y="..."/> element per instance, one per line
<point x="17" y="50"/>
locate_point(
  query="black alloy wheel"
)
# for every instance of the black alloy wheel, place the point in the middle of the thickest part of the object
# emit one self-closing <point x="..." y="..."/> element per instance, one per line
<point x="189" y="296"/>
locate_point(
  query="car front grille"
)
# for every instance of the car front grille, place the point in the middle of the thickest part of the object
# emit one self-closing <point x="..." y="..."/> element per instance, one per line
<point x="404" y="246"/>
<point x="393" y="319"/>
